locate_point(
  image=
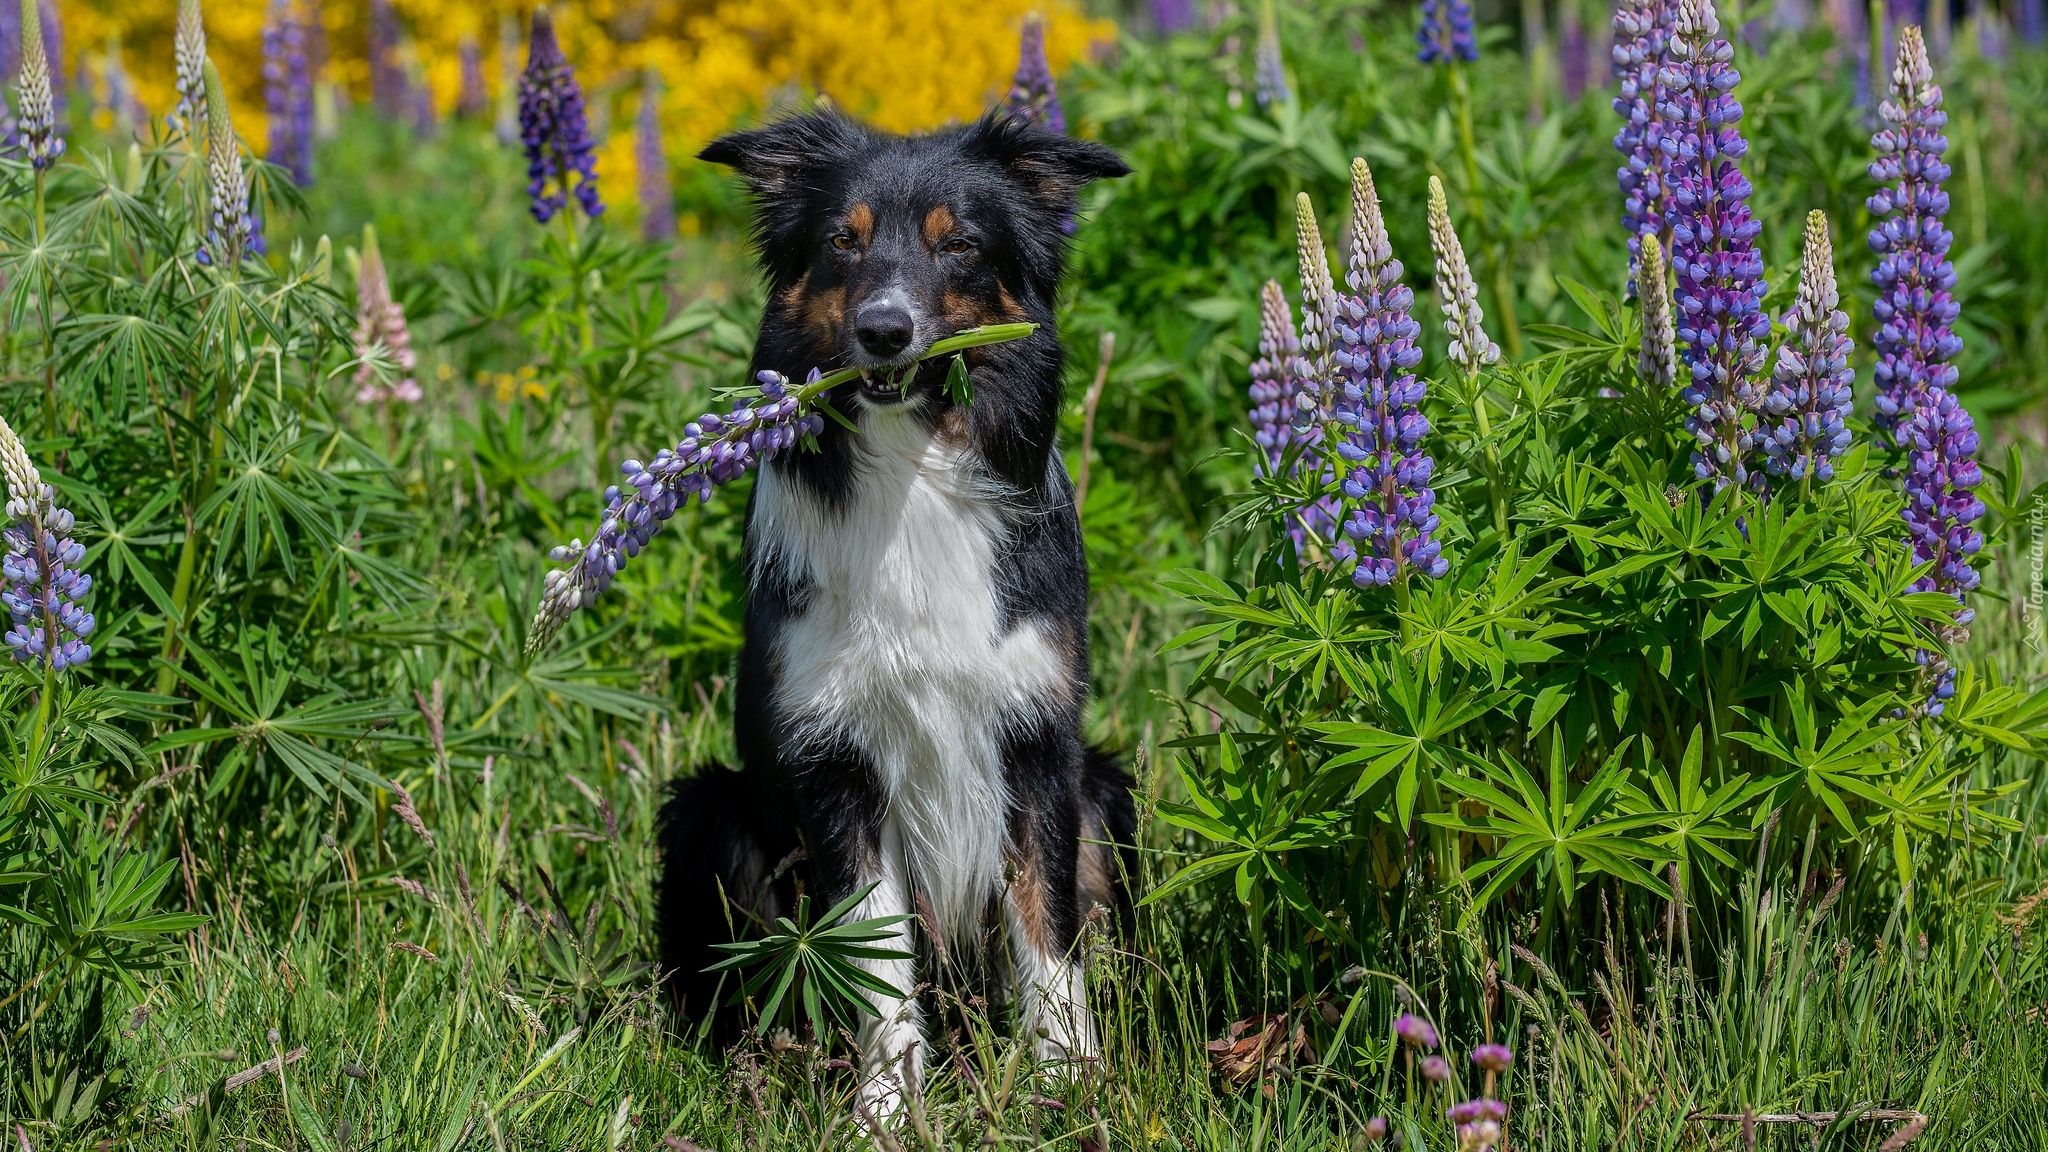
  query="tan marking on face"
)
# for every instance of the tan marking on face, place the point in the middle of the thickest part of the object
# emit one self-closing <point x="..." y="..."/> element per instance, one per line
<point x="821" y="312"/>
<point x="938" y="224"/>
<point x="860" y="220"/>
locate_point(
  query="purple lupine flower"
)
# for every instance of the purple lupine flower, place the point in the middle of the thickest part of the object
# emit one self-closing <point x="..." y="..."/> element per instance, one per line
<point x="472" y="101"/>
<point x="2033" y="21"/>
<point x="190" y="51"/>
<point x="1992" y="42"/>
<point x="1278" y="377"/>
<point x="1269" y="72"/>
<point x="505" y="120"/>
<point x="1720" y="273"/>
<point x="380" y="323"/>
<point x="1941" y="511"/>
<point x="714" y="450"/>
<point x="419" y="94"/>
<point x="39" y="568"/>
<point x="1416" y="1031"/>
<point x="1446" y="32"/>
<point x="650" y="163"/>
<point x="552" y="127"/>
<point x="10" y="43"/>
<point x="1376" y="401"/>
<point x="1033" y="95"/>
<point x="1915" y="309"/>
<point x="38" y="124"/>
<point x="1642" y="38"/>
<point x="1492" y="1058"/>
<point x="1574" y="61"/>
<point x="1811" y="383"/>
<point x="387" y="72"/>
<point x="53" y="42"/>
<point x="288" y="92"/>
<point x="1171" y="16"/>
<point x="233" y="233"/>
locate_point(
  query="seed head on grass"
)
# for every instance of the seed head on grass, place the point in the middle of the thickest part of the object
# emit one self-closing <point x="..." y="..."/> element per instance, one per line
<point x="43" y="583"/>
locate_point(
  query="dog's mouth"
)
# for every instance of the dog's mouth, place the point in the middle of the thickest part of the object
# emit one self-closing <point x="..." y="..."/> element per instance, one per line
<point x="885" y="386"/>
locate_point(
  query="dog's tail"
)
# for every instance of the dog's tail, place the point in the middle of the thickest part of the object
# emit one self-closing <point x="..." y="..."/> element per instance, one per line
<point x="1109" y="835"/>
<point x="718" y="868"/>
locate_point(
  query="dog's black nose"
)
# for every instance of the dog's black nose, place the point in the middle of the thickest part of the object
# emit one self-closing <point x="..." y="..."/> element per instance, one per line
<point x="884" y="329"/>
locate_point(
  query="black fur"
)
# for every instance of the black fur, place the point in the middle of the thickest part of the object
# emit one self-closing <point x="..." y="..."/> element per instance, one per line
<point x="952" y="229"/>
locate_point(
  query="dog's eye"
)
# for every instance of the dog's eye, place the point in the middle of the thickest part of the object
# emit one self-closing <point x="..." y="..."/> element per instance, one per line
<point x="956" y="245"/>
<point x="844" y="241"/>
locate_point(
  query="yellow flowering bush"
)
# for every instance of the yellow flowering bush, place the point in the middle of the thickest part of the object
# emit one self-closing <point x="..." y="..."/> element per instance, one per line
<point x="902" y="64"/>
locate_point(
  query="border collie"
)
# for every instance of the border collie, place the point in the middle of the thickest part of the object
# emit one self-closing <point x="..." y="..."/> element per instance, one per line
<point x="910" y="693"/>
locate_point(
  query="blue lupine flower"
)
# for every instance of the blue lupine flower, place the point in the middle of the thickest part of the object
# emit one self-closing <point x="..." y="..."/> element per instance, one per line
<point x="1446" y="32"/>
<point x="1033" y="95"/>
<point x="388" y="87"/>
<point x="288" y="92"/>
<point x="1941" y="511"/>
<point x="471" y="100"/>
<point x="650" y="161"/>
<point x="1269" y="73"/>
<point x="1279" y="422"/>
<point x="1810" y="386"/>
<point x="232" y="233"/>
<point x="1915" y="309"/>
<point x="39" y="568"/>
<point x="1170" y="16"/>
<point x="559" y="154"/>
<point x="1720" y="273"/>
<point x="714" y="450"/>
<point x="1376" y="402"/>
<point x="190" y="51"/>
<point x="1643" y="31"/>
<point x="38" y="124"/>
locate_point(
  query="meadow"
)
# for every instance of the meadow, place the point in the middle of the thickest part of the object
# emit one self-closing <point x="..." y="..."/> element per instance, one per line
<point x="1521" y="649"/>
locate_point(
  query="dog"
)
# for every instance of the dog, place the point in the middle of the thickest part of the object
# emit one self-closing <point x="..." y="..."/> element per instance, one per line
<point x="909" y="697"/>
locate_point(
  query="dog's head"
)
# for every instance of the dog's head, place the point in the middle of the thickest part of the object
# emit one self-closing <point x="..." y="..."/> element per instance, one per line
<point x="877" y="245"/>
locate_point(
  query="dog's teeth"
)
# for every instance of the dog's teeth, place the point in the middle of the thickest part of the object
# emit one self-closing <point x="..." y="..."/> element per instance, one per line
<point x="867" y="376"/>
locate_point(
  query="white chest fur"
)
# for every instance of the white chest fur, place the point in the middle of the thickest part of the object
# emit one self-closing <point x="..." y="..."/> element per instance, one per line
<point x="901" y="650"/>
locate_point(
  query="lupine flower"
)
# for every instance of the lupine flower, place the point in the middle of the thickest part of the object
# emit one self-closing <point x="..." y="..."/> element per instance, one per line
<point x="1642" y="37"/>
<point x="380" y="320"/>
<point x="1941" y="509"/>
<point x="650" y="162"/>
<point x="1574" y="58"/>
<point x="1915" y="309"/>
<point x="552" y="127"/>
<point x="1033" y="95"/>
<point x="1720" y="273"/>
<point x="1170" y="16"/>
<point x="387" y="72"/>
<point x="419" y="94"/>
<point x="714" y="450"/>
<point x="39" y="568"/>
<point x="1492" y="1058"/>
<point x="2033" y="21"/>
<point x="1376" y="405"/>
<point x="1446" y="32"/>
<point x="1458" y="294"/>
<point x="288" y="92"/>
<point x="1810" y="386"/>
<point x="1436" y="1069"/>
<point x="1268" y="72"/>
<point x="52" y="22"/>
<point x="233" y="233"/>
<point x="190" y="50"/>
<point x="1657" y="363"/>
<point x="472" y="101"/>
<point x="1278" y="377"/>
<point x="38" y="115"/>
<point x="505" y="123"/>
<point x="10" y="42"/>
<point x="1416" y="1031"/>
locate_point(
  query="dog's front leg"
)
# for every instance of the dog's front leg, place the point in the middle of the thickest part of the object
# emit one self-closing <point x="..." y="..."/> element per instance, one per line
<point x="892" y="1055"/>
<point x="1040" y="905"/>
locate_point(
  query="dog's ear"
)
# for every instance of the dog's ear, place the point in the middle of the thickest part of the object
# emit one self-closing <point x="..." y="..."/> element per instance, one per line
<point x="772" y="157"/>
<point x="1051" y="165"/>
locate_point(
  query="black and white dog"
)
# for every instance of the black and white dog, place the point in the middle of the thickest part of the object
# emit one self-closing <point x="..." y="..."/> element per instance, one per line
<point x="910" y="696"/>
